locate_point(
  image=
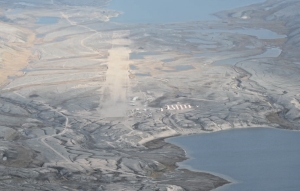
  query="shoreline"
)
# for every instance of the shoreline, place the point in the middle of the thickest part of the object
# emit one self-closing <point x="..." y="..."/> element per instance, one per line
<point x="173" y="167"/>
<point x="93" y="122"/>
<point x="188" y="155"/>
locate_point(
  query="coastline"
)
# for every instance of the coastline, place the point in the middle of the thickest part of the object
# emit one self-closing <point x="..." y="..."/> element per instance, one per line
<point x="188" y="155"/>
<point x="209" y="181"/>
<point x="91" y="124"/>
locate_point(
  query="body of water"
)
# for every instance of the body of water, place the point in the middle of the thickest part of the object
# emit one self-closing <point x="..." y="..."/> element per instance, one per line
<point x="170" y="11"/>
<point x="269" y="53"/>
<point x="258" y="33"/>
<point x="47" y="20"/>
<point x="25" y="4"/>
<point x="140" y="55"/>
<point x="180" y="68"/>
<point x="258" y="159"/>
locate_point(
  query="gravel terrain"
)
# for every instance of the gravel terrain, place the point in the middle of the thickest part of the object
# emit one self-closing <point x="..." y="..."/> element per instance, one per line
<point x="86" y="103"/>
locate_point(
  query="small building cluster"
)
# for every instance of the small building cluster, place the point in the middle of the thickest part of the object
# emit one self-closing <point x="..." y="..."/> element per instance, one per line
<point x="177" y="107"/>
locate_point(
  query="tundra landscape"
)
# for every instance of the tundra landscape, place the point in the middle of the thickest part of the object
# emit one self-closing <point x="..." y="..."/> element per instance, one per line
<point x="86" y="103"/>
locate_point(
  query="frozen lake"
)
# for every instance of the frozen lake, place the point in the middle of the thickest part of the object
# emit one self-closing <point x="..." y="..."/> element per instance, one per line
<point x="257" y="159"/>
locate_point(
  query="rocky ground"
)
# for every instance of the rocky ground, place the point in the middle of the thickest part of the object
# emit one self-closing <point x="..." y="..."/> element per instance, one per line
<point x="96" y="100"/>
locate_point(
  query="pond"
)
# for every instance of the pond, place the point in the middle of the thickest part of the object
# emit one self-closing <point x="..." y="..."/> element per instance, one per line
<point x="180" y="68"/>
<point x="257" y="159"/>
<point x="272" y="52"/>
<point x="47" y="20"/>
<point x="140" y="55"/>
<point x="259" y="33"/>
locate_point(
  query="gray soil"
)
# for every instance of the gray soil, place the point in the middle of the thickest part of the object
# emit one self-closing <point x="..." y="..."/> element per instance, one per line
<point x="81" y="116"/>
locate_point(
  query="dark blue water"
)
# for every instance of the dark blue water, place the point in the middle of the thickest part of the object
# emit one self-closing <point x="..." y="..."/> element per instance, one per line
<point x="259" y="159"/>
<point x="169" y="11"/>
